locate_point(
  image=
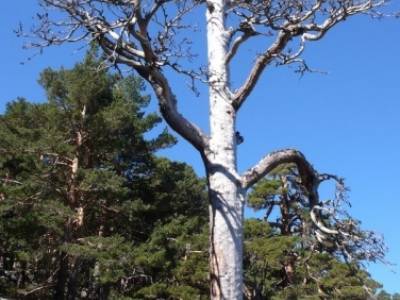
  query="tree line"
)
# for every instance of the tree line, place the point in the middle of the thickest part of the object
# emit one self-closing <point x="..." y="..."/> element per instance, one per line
<point x="90" y="211"/>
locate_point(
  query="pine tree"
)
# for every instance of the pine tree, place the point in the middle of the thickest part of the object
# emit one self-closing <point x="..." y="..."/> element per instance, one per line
<point x="87" y="210"/>
<point x="292" y="256"/>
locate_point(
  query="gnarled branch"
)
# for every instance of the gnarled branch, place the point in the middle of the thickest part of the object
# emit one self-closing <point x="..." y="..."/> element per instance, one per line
<point x="262" y="61"/>
<point x="168" y="108"/>
<point x="308" y="23"/>
<point x="309" y="176"/>
<point x="126" y="39"/>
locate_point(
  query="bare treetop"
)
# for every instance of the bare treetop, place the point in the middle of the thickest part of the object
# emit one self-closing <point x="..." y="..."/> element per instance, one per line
<point x="139" y="33"/>
<point x="148" y="33"/>
<point x="154" y="34"/>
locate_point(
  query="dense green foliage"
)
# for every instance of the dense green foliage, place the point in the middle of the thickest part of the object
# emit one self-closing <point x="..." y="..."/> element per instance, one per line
<point x="88" y="211"/>
<point x="289" y="257"/>
<point x="280" y="268"/>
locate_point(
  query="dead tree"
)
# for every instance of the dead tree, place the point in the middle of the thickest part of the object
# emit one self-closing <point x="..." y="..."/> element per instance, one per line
<point x="149" y="37"/>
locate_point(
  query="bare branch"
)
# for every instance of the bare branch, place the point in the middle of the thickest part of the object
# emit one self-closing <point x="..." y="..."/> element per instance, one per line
<point x="126" y="40"/>
<point x="287" y="21"/>
<point x="9" y="180"/>
<point x="247" y="31"/>
<point x="168" y="108"/>
<point x="36" y="289"/>
<point x="318" y="223"/>
<point x="329" y="226"/>
<point x="307" y="173"/>
<point x="235" y="46"/>
<point x="259" y="66"/>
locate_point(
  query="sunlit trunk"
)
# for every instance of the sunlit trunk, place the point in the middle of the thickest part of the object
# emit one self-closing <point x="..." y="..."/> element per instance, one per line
<point x="226" y="209"/>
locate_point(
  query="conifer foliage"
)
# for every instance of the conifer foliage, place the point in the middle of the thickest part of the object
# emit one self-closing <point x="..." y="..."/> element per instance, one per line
<point x="87" y="210"/>
<point x="292" y="256"/>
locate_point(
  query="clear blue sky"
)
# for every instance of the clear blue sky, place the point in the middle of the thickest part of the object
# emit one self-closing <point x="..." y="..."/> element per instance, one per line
<point x="346" y="122"/>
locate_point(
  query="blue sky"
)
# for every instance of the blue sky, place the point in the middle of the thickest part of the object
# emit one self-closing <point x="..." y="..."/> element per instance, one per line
<point x="346" y="122"/>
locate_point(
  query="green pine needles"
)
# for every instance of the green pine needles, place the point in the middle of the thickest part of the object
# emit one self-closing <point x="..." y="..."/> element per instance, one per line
<point x="88" y="211"/>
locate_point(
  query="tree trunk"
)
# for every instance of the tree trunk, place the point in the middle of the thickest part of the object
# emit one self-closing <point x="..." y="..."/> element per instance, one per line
<point x="72" y="286"/>
<point x="226" y="205"/>
<point x="226" y="255"/>
<point x="62" y="277"/>
<point x="65" y="277"/>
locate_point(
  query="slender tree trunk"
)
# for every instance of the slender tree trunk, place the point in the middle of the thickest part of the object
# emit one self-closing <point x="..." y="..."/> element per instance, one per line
<point x="288" y="267"/>
<point x="72" y="287"/>
<point x="226" y="209"/>
<point x="62" y="277"/>
<point x="66" y="283"/>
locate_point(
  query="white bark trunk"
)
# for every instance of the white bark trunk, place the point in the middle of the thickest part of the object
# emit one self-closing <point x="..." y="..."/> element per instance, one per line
<point x="226" y="211"/>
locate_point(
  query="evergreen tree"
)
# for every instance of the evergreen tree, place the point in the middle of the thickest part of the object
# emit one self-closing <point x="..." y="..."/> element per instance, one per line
<point x="383" y="295"/>
<point x="291" y="254"/>
<point x="87" y="210"/>
<point x="396" y="296"/>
